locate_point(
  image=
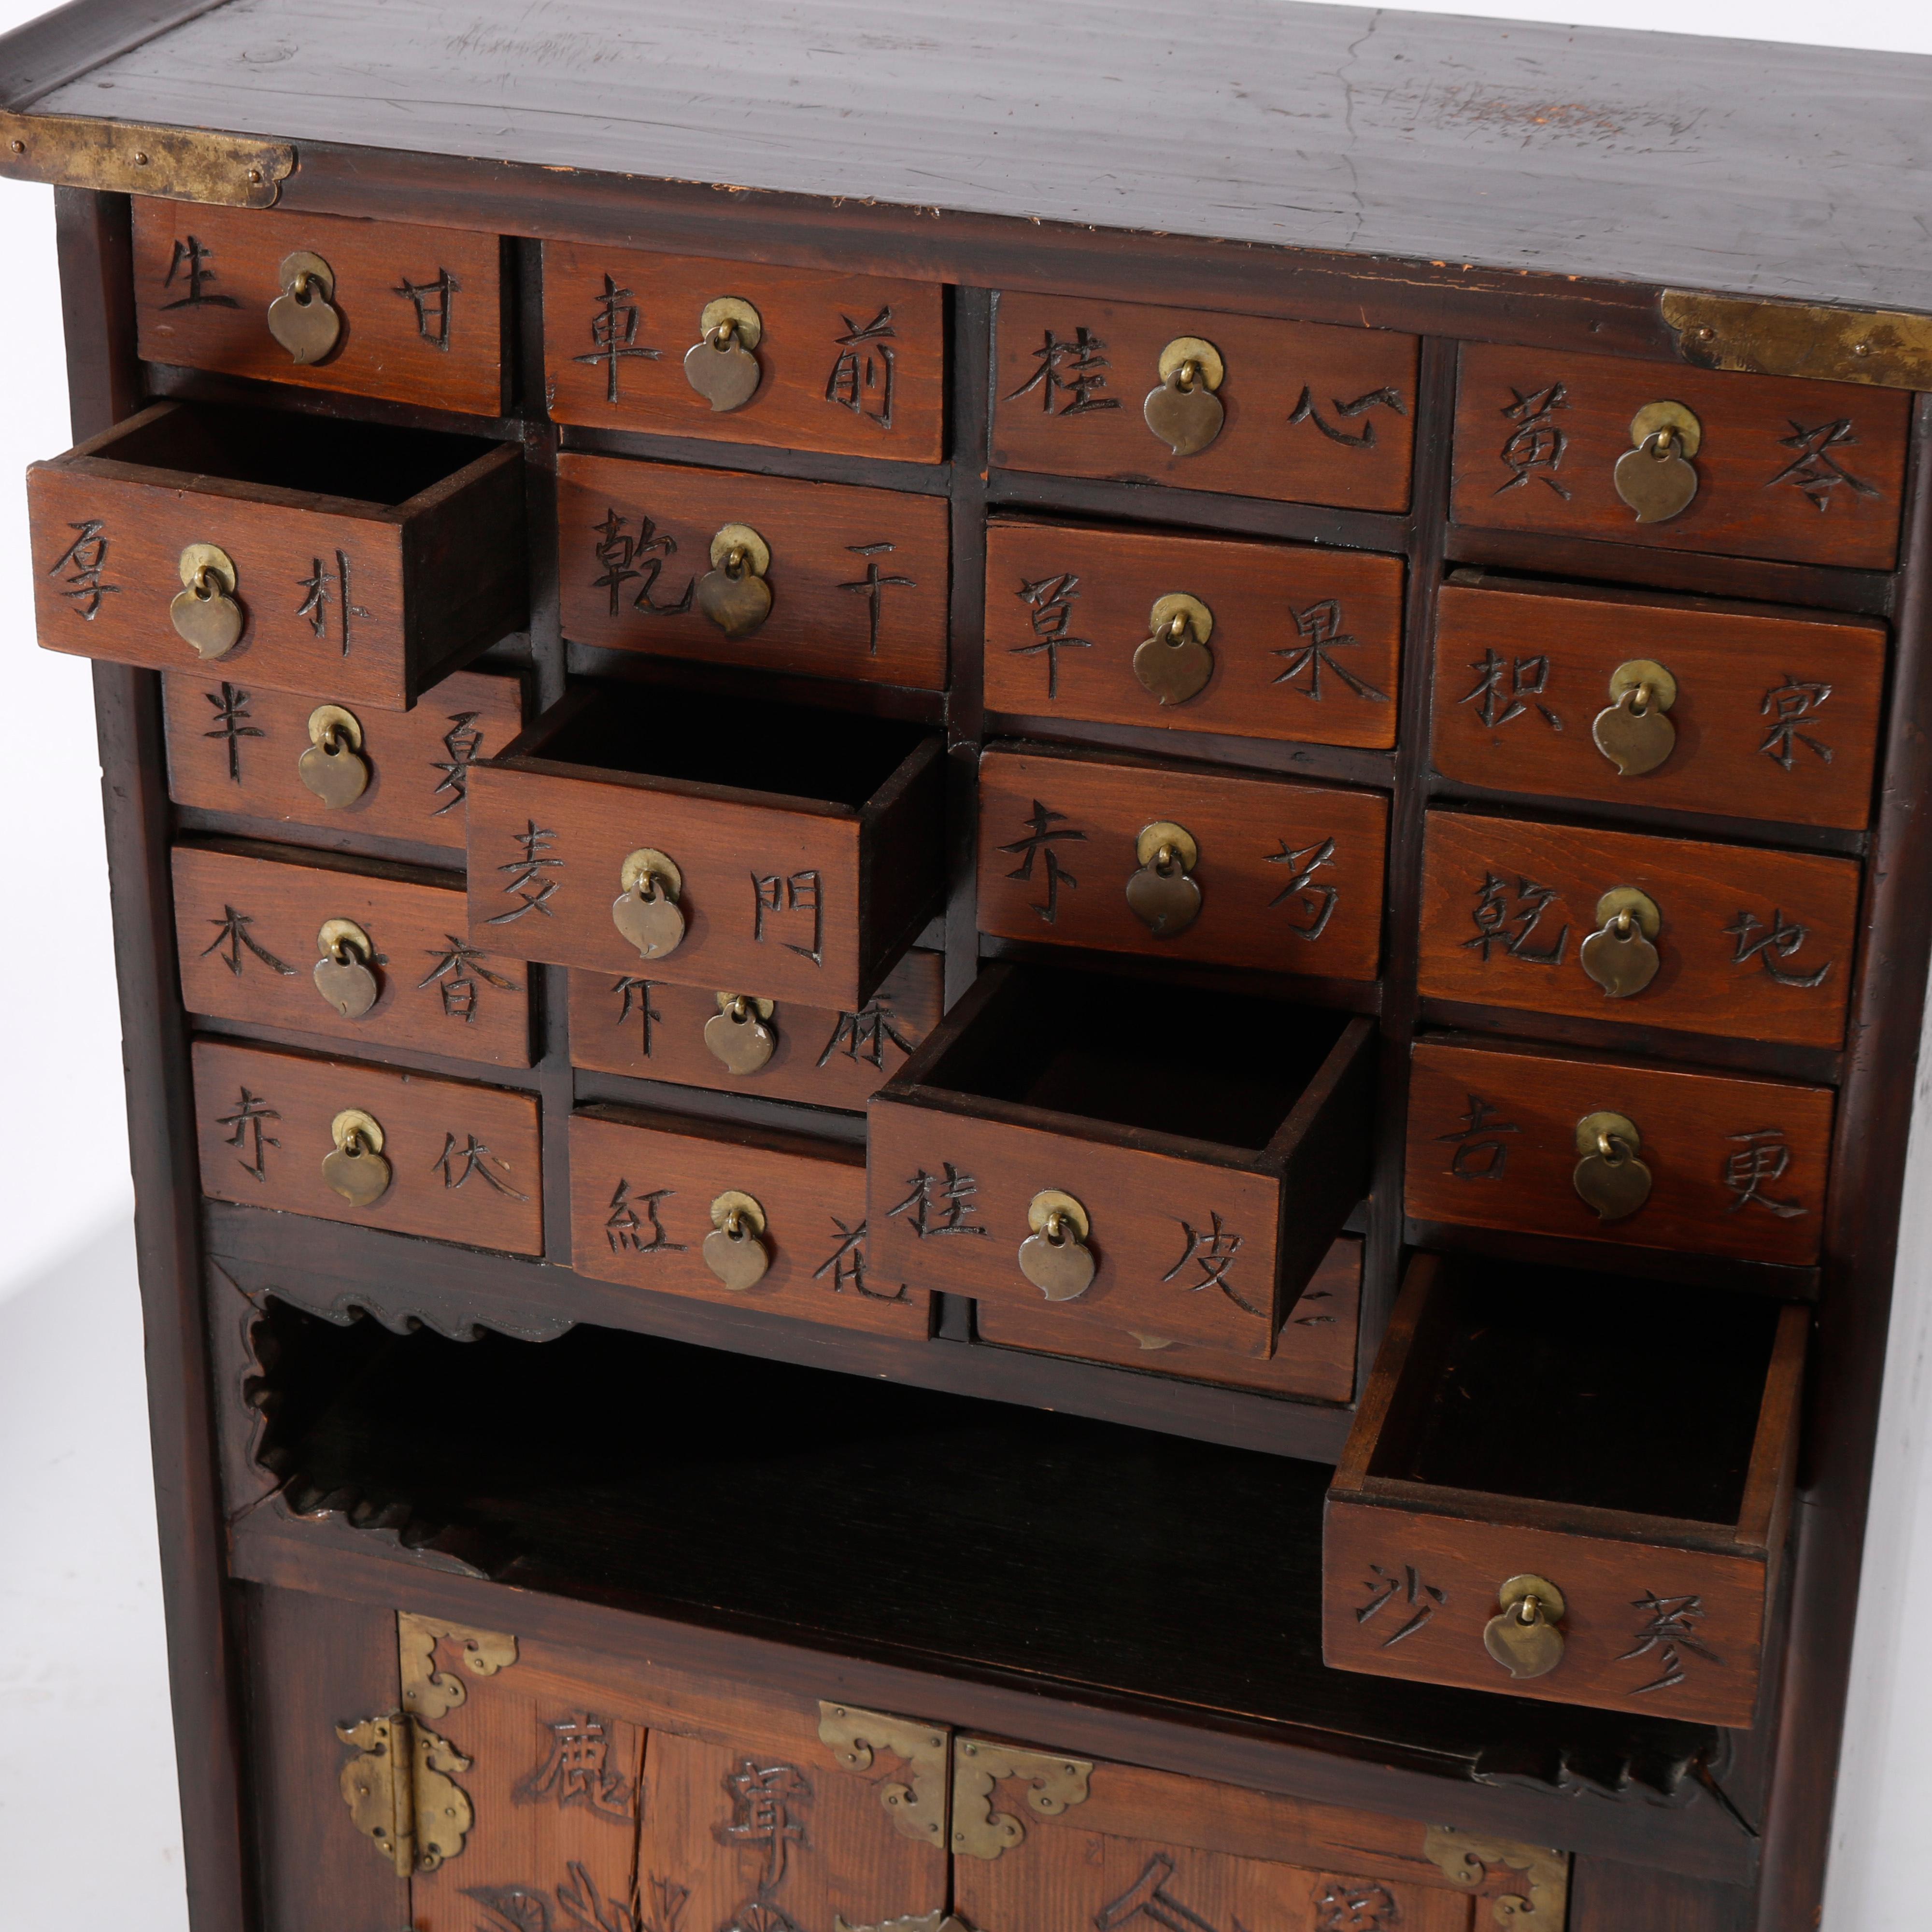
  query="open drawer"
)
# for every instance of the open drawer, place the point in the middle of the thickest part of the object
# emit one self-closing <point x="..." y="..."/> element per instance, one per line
<point x="300" y="553"/>
<point x="1561" y="1490"/>
<point x="1201" y="1152"/>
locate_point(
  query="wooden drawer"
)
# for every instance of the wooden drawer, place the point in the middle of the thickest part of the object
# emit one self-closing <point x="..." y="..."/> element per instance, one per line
<point x="1214" y="1178"/>
<point x="858" y="578"/>
<point x="233" y="748"/>
<point x="1303" y="644"/>
<point x="1632" y="1445"/>
<point x="1773" y="717"/>
<point x="809" y="888"/>
<point x="1801" y="472"/>
<point x="249" y="921"/>
<point x="1314" y="1354"/>
<point x="855" y="364"/>
<point x="1752" y="945"/>
<point x="421" y="309"/>
<point x="1737" y="1167"/>
<point x="373" y="597"/>
<point x="1311" y="413"/>
<point x="652" y="1029"/>
<point x="1290" y="875"/>
<point x="464" y="1161"/>
<point x="642" y="1187"/>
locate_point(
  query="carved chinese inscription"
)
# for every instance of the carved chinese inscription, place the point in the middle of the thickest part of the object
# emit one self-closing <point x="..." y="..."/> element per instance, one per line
<point x="1039" y="842"/>
<point x="845" y="1267"/>
<point x="1505" y="688"/>
<point x="769" y="1804"/>
<point x="528" y="885"/>
<point x="1320" y="629"/>
<point x="250" y="1136"/>
<point x="576" y="1769"/>
<point x="792" y="903"/>
<point x="1149" y="1900"/>
<point x="85" y="560"/>
<point x="456" y="1164"/>
<point x="1509" y="919"/>
<point x="323" y="587"/>
<point x="625" y="558"/>
<point x="1481" y="1154"/>
<point x="1074" y="367"/>
<point x="434" y="303"/>
<point x="233" y="938"/>
<point x="1761" y="1159"/>
<point x="613" y="335"/>
<point x="1535" y="442"/>
<point x="863" y="373"/>
<point x="1212" y="1250"/>
<point x="873" y="585"/>
<point x="462" y="741"/>
<point x="1411" y="1601"/>
<point x="1049" y="602"/>
<point x="459" y="975"/>
<point x="1355" y="1905"/>
<point x="1768" y="944"/>
<point x="634" y="1228"/>
<point x="189" y="261"/>
<point x="1669" y="1632"/>
<point x="1814" y="470"/>
<point x="940" y="1206"/>
<point x="232" y="723"/>
<point x="864" y="1035"/>
<point x="634" y="995"/>
<point x="1306" y="410"/>
<point x="1789" y="705"/>
<point x="1314" y="900"/>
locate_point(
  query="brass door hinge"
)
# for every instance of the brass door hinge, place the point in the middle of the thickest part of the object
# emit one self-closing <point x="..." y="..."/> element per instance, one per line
<point x="1885" y="347"/>
<point x="1464" y="1857"/>
<point x="132" y="157"/>
<point x="398" y="1791"/>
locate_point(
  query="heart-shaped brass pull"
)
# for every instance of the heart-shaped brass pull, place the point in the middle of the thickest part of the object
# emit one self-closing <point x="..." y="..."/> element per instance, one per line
<point x="1621" y="955"/>
<point x="1056" y="1257"/>
<point x="1523" y="1636"/>
<point x="1610" y="1177"/>
<point x="1634" y="734"/>
<point x="738" y="1034"/>
<point x="1184" y="412"/>
<point x="732" y="593"/>
<point x="354" y="1166"/>
<point x="1174" y="663"/>
<point x="205" y="614"/>
<point x="1656" y="477"/>
<point x="1162" y="894"/>
<point x="720" y="365"/>
<point x="646" y="912"/>
<point x="331" y="765"/>
<point x="344" y="975"/>
<point x="303" y="318"/>
<point x="734" y="1250"/>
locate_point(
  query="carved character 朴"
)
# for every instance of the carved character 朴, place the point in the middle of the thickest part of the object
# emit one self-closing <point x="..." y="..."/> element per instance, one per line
<point x="323" y="587"/>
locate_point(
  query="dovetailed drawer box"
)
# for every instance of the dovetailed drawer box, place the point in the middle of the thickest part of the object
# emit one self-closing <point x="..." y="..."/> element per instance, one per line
<point x="464" y="1163"/>
<point x="646" y="1190"/>
<point x="1497" y="1138"/>
<point x="1275" y="640"/>
<point x="1632" y="1445"/>
<point x="1285" y="877"/>
<point x="417" y="313"/>
<point x="373" y="956"/>
<point x="1211" y="1178"/>
<point x="851" y="365"/>
<point x="854" y="582"/>
<point x="1759" y="713"/>
<point x="810" y="888"/>
<point x="1307" y="412"/>
<point x="308" y="579"/>
<point x="1747" y="945"/>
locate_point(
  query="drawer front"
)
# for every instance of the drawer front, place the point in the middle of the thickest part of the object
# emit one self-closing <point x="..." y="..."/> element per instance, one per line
<point x="859" y="579"/>
<point x="1800" y="472"/>
<point x="855" y="364"/>
<point x="1310" y="413"/>
<point x="1290" y="875"/>
<point x="1770" y="716"/>
<point x="640" y="1202"/>
<point x="248" y="929"/>
<point x="1751" y="945"/>
<point x="1183" y="1247"/>
<point x="652" y="1029"/>
<point x="232" y="747"/>
<point x="1736" y="1167"/>
<point x="421" y="309"/>
<point x="1303" y="643"/>
<point x="464" y="1161"/>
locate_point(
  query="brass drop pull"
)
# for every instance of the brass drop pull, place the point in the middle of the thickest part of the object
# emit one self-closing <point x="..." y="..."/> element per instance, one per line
<point x="1522" y="1636"/>
<point x="1633" y="733"/>
<point x="738" y="1034"/>
<point x="1656" y="477"/>
<point x="732" y="593"/>
<point x="1174" y="663"/>
<point x="1055" y="1257"/>
<point x="646" y="911"/>
<point x="1184" y="412"/>
<point x="303" y="318"/>
<point x="1620" y="955"/>
<point x="206" y="613"/>
<point x="1610" y="1177"/>
<point x="343" y="975"/>
<point x="1162" y="894"/>
<point x="734" y="1250"/>
<point x="719" y="365"/>
<point x="355" y="1167"/>
<point x="332" y="765"/>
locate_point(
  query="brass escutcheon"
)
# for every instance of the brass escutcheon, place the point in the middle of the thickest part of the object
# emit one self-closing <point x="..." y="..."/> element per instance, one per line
<point x="735" y="1208"/>
<point x="1681" y="432"/>
<point x="201" y="562"/>
<point x="1164" y="835"/>
<point x="330" y="727"/>
<point x="648" y="862"/>
<point x="1209" y="371"/>
<point x="1049" y="1211"/>
<point x="1596" y="1133"/>
<point x="1644" y="674"/>
<point x="1622" y="900"/>
<point x="354" y="1120"/>
<point x="734" y="313"/>
<point x="740" y="543"/>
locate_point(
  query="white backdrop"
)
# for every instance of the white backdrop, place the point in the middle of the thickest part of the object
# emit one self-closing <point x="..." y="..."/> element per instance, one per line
<point x="80" y="1682"/>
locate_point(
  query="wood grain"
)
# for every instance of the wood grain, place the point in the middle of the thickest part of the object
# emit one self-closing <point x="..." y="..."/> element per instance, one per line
<point x="1049" y="422"/>
<point x="492" y="1201"/>
<point x="1739" y="1167"/>
<point x="204" y="277"/>
<point x="1305" y="641"/>
<point x="859" y="576"/>
<point x="880" y="393"/>
<point x="1719" y="973"/>
<point x="1750" y="501"/>
<point x="1290" y="874"/>
<point x="1776" y="716"/>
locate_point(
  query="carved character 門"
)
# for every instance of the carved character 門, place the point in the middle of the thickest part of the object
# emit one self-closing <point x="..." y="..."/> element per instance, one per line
<point x="785" y="896"/>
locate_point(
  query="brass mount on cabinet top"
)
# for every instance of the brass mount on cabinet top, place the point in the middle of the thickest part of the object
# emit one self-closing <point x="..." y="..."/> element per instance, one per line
<point x="1885" y="347"/>
<point x="129" y="157"/>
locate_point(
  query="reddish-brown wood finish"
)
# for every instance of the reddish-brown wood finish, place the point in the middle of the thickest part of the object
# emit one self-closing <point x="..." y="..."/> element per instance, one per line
<point x="1314" y="414"/>
<point x="1799" y="472"/>
<point x="1305" y="642"/>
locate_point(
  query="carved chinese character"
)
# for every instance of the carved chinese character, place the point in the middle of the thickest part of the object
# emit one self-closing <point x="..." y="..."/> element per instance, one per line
<point x="861" y="377"/>
<point x="1511" y="927"/>
<point x="635" y="995"/>
<point x="1305" y="411"/>
<point x="475" y="1158"/>
<point x="785" y="896"/>
<point x="528" y="886"/>
<point x="455" y="973"/>
<point x="88" y="554"/>
<point x="1212" y="1250"/>
<point x="578" y="1770"/>
<point x="1669" y="1628"/>
<point x="941" y="1207"/>
<point x="1480" y="1155"/>
<point x="1073" y="367"/>
<point x="234" y="935"/>
<point x="613" y="335"/>
<point x="190" y="260"/>
<point x="1049" y="603"/>
<point x="1314" y="902"/>
<point x="766" y="1804"/>
<point x="1149" y="1898"/>
<point x="1536" y="442"/>
<point x="1528" y="678"/>
<point x="872" y="586"/>
<point x="433" y="302"/>
<point x="625" y="1228"/>
<point x="625" y="559"/>
<point x="1780" y="939"/>
<point x="1320" y="627"/>
<point x="462" y="741"/>
<point x="323" y="587"/>
<point x="863" y="1036"/>
<point x="1788" y="705"/>
<point x="1039" y="843"/>
<point x="1814" y="470"/>
<point x="251" y="1112"/>
<point x="846" y="1265"/>
<point x="1408" y="1591"/>
<point x="231" y="722"/>
<point x="1762" y="1156"/>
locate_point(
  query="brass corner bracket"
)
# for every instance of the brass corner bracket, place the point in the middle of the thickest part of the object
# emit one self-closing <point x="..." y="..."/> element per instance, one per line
<point x="132" y="157"/>
<point x="918" y="1809"/>
<point x="1464" y="1858"/>
<point x="1885" y="347"/>
<point x="1054" y="1783"/>
<point x="428" y="1692"/>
